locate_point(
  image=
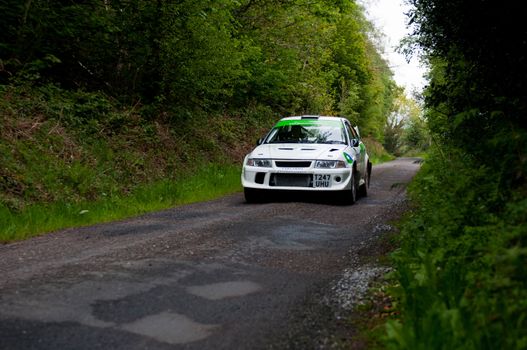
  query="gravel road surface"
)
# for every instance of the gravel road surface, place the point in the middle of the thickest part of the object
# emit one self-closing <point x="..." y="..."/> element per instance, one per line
<point x="215" y="275"/>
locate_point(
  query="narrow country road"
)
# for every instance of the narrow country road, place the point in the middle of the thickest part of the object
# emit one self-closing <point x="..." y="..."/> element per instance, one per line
<point x="216" y="275"/>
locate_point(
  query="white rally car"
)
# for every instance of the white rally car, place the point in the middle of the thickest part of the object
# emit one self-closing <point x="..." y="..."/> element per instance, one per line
<point x="308" y="153"/>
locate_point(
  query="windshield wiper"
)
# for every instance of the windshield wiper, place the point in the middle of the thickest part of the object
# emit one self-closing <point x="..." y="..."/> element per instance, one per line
<point x="332" y="142"/>
<point x="283" y="141"/>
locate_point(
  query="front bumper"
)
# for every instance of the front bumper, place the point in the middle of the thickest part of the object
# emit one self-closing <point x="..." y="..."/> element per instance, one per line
<point x="296" y="178"/>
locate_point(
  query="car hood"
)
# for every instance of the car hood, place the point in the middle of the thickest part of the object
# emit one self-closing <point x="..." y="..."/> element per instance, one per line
<point x="298" y="151"/>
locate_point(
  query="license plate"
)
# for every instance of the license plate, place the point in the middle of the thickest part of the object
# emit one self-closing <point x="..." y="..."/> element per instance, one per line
<point x="321" y="180"/>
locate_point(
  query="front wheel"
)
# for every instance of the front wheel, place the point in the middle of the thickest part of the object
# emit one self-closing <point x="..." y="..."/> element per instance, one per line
<point x="363" y="189"/>
<point x="350" y="196"/>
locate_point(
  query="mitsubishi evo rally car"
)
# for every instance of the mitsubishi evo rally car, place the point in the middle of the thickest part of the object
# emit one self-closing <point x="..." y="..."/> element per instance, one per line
<point x="308" y="153"/>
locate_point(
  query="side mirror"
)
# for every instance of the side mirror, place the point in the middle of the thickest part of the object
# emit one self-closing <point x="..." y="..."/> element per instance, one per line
<point x="259" y="142"/>
<point x="355" y="142"/>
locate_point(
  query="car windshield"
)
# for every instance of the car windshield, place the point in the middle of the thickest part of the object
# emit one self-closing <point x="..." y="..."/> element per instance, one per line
<point x="307" y="131"/>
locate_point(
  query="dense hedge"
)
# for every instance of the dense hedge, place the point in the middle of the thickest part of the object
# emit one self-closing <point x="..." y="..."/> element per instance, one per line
<point x="462" y="265"/>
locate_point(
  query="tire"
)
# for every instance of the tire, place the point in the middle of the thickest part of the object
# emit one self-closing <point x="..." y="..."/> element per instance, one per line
<point x="252" y="195"/>
<point x="363" y="189"/>
<point x="370" y="165"/>
<point x="350" y="196"/>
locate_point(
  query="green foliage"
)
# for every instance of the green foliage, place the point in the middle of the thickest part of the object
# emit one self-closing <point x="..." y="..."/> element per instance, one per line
<point x="415" y="135"/>
<point x="200" y="58"/>
<point x="461" y="267"/>
<point x="405" y="131"/>
<point x="376" y="151"/>
<point x="206" y="182"/>
<point x="59" y="146"/>
<point x="393" y="135"/>
<point x="72" y="158"/>
<point x="476" y="100"/>
<point x="179" y="57"/>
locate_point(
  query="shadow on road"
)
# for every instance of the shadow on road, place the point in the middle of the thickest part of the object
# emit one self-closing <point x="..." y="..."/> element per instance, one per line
<point x="283" y="196"/>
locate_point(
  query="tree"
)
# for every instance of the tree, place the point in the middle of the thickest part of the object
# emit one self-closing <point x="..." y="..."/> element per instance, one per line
<point x="404" y="129"/>
<point x="178" y="57"/>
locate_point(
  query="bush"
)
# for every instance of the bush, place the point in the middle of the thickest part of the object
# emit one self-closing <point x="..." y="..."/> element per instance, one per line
<point x="461" y="265"/>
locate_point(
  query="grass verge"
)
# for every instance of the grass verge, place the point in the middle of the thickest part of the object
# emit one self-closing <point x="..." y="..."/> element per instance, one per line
<point x="208" y="182"/>
<point x="376" y="151"/>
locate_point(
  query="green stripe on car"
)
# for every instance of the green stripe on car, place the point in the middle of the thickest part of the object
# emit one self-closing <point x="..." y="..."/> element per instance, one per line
<point x="308" y="122"/>
<point x="348" y="158"/>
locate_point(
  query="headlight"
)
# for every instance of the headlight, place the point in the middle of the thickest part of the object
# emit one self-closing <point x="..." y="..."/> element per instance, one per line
<point x="330" y="164"/>
<point x="259" y="162"/>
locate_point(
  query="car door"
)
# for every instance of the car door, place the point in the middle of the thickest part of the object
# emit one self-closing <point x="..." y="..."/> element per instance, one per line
<point x="362" y="148"/>
<point x="355" y="146"/>
<point x="359" y="149"/>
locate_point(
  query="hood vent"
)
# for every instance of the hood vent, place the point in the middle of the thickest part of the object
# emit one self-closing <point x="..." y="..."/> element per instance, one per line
<point x="285" y="148"/>
<point x="308" y="149"/>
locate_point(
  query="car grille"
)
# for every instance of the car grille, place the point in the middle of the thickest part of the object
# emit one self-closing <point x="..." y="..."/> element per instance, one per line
<point x="291" y="164"/>
<point x="291" y="180"/>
